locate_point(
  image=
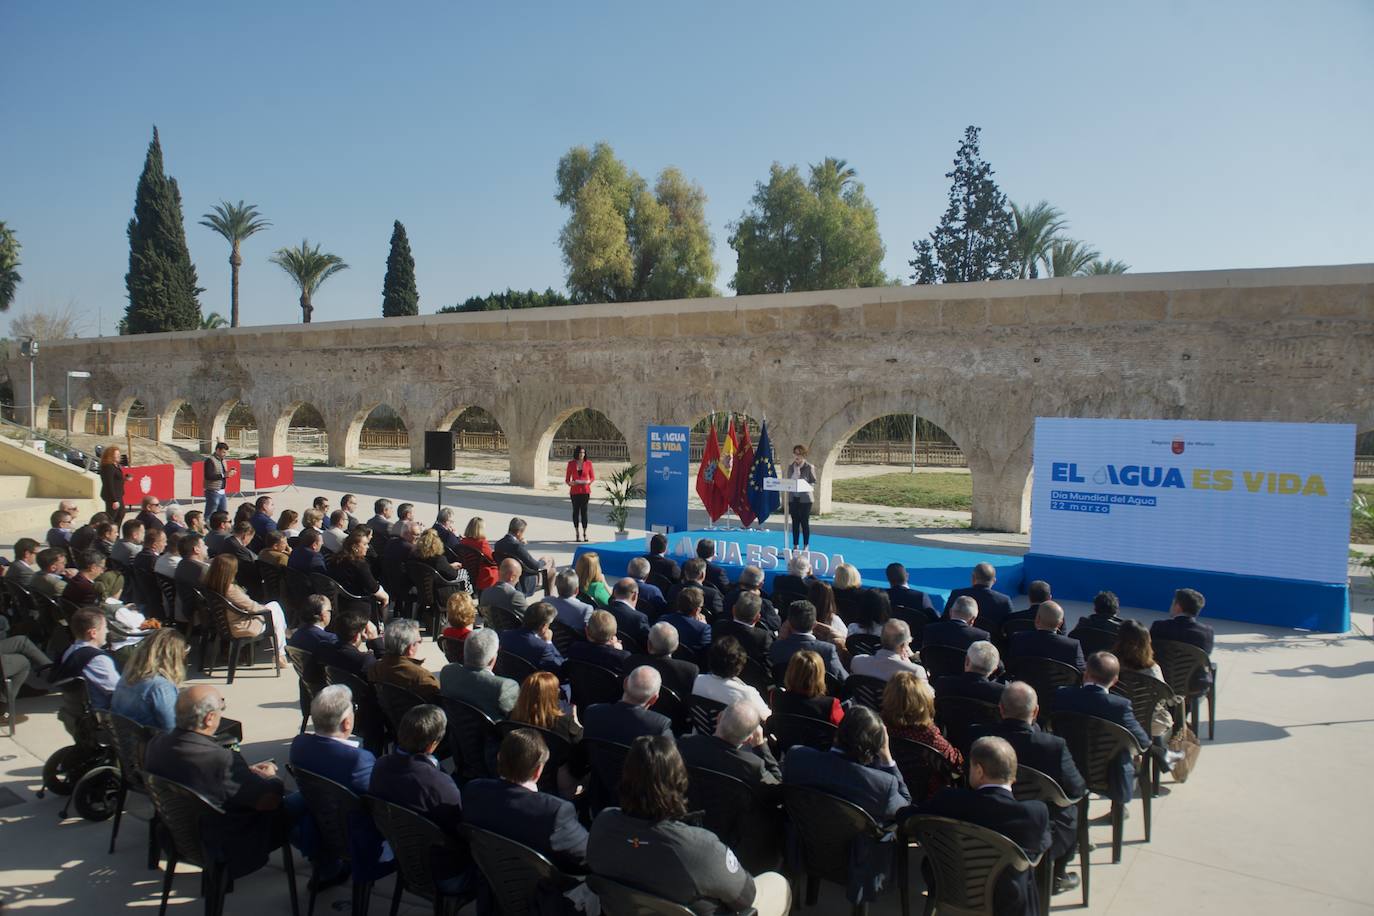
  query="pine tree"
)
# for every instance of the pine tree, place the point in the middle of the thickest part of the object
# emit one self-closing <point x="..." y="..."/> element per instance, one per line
<point x="399" y="295"/>
<point x="976" y="238"/>
<point x="163" y="295"/>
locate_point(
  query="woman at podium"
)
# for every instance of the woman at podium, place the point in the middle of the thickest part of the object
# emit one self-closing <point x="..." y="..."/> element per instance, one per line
<point x="799" y="504"/>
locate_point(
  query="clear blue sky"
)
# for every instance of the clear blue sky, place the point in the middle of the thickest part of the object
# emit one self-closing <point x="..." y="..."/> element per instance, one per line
<point x="1175" y="135"/>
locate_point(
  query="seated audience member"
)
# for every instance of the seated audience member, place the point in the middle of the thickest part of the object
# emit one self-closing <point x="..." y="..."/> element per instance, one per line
<point x="350" y="652"/>
<point x="739" y="748"/>
<point x="1044" y="641"/>
<point x="81" y="588"/>
<point x="513" y="807"/>
<point x="993" y="607"/>
<point x="446" y="527"/>
<point x="128" y="547"/>
<point x="1105" y="618"/>
<point x="106" y="536"/>
<point x="872" y="609"/>
<point x="174" y="522"/>
<point x="399" y="550"/>
<point x="190" y="572"/>
<point x="60" y="534"/>
<point x="533" y="640"/>
<point x="909" y="713"/>
<point x="52" y="571"/>
<point x="349" y="568"/>
<point x="219" y="578"/>
<point x="1094" y="698"/>
<point x="601" y="646"/>
<point x="693" y="632"/>
<point x="312" y="520"/>
<point x="261" y="519"/>
<point x="147" y="690"/>
<point x="794" y="583"/>
<point x="572" y="613"/>
<point x="623" y="606"/>
<point x="593" y="582"/>
<point x="645" y="842"/>
<point x="1135" y="652"/>
<point x="909" y="604"/>
<point x="751" y="583"/>
<point x="170" y="558"/>
<point x="314" y="632"/>
<point x="1183" y="626"/>
<point x="804" y="690"/>
<point x="460" y="616"/>
<point x="242" y="514"/>
<point x="25" y="564"/>
<point x="381" y="520"/>
<point x="88" y="658"/>
<point x="859" y="769"/>
<point x="535" y="574"/>
<point x="275" y="549"/>
<point x="502" y="596"/>
<point x="475" y="682"/>
<point x="195" y="521"/>
<point x="349" y="503"/>
<point x="336" y="531"/>
<point x="1049" y="754"/>
<point x="475" y="538"/>
<point x="744" y="622"/>
<point x="722" y="684"/>
<point x="429" y="550"/>
<point x="678" y="674"/>
<point x="237" y="542"/>
<point x="630" y="716"/>
<point x="251" y="795"/>
<point x="400" y="665"/>
<point x="980" y="661"/>
<point x="84" y="537"/>
<point x="651" y="598"/>
<point x="694" y="577"/>
<point x="832" y="628"/>
<point x="958" y="631"/>
<point x="1038" y="592"/>
<point x="306" y="557"/>
<point x="289" y="523"/>
<point x="847" y="586"/>
<point x="321" y="505"/>
<point x="21" y="658"/>
<point x="801" y="620"/>
<point x="405" y="514"/>
<point x="218" y="533"/>
<point x="154" y="543"/>
<point x="715" y="575"/>
<point x="988" y="802"/>
<point x="540" y="704"/>
<point x="894" y="656"/>
<point x="660" y="564"/>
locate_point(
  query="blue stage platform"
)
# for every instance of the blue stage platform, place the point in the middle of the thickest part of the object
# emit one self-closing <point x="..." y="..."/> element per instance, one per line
<point x="934" y="570"/>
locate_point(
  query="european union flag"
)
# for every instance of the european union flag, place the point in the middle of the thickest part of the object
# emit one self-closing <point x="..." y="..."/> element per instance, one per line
<point x="763" y="502"/>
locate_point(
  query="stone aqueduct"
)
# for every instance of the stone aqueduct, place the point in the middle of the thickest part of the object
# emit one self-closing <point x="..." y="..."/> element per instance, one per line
<point x="980" y="360"/>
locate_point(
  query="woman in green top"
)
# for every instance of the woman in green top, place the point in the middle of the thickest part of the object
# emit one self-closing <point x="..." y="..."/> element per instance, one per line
<point x="593" y="582"/>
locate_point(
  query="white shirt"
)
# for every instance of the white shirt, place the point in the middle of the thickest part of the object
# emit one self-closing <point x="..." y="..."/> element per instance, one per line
<point x="131" y="619"/>
<point x="883" y="664"/>
<point x="727" y="691"/>
<point x="166" y="564"/>
<point x="334" y="538"/>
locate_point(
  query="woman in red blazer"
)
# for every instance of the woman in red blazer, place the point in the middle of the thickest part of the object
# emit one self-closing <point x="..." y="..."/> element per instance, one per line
<point x="475" y="538"/>
<point x="579" y="477"/>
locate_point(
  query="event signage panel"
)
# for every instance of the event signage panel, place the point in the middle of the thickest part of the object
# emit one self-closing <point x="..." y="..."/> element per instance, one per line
<point x="274" y="472"/>
<point x="666" y="475"/>
<point x="158" y="480"/>
<point x="1255" y="499"/>
<point x="233" y="477"/>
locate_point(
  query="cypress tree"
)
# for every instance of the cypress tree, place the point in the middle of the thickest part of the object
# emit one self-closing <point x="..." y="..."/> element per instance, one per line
<point x="976" y="237"/>
<point x="399" y="295"/>
<point x="163" y="295"/>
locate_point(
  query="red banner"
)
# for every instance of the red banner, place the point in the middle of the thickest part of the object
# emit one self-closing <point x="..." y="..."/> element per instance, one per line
<point x="233" y="476"/>
<point x="274" y="472"/>
<point x="149" y="480"/>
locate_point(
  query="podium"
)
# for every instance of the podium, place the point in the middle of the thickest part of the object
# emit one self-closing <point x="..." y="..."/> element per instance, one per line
<point x="786" y="486"/>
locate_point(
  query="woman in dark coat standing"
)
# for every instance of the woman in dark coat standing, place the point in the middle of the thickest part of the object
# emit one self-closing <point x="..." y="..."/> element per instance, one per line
<point x="112" y="483"/>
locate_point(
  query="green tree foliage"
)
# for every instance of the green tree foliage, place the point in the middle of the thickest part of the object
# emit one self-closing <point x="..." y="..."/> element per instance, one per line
<point x="798" y="234"/>
<point x="510" y="299"/>
<point x="1037" y="227"/>
<point x="1099" y="266"/>
<point x="976" y="237"/>
<point x="1070" y="258"/>
<point x="625" y="242"/>
<point x="163" y="295"/>
<point x="213" y="322"/>
<point x="309" y="268"/>
<point x="399" y="295"/>
<point x="235" y="222"/>
<point x="9" y="267"/>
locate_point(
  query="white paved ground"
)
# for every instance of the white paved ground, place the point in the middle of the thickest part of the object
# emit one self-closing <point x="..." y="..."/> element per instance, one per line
<point x="1276" y="819"/>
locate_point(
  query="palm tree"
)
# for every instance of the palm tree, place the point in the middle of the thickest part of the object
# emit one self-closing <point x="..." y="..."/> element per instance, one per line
<point x="213" y="321"/>
<point x="309" y="267"/>
<point x="9" y="267"/>
<point x="1100" y="266"/>
<point x="832" y="175"/>
<point x="235" y="222"/>
<point x="1037" y="228"/>
<point x="1070" y="258"/>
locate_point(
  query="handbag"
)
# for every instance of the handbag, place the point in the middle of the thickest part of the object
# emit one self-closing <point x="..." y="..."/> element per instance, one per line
<point x="1186" y="743"/>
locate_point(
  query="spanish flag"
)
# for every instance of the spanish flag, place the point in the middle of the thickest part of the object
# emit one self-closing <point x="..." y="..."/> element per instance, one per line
<point x="728" y="449"/>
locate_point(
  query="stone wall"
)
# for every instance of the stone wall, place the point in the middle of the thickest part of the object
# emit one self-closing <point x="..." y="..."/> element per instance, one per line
<point x="982" y="361"/>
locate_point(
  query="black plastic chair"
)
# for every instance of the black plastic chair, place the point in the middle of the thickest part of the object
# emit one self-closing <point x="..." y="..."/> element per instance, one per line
<point x="369" y="720"/>
<point x="513" y="666"/>
<point x="958" y="716"/>
<point x="273" y="582"/>
<point x="1013" y="626"/>
<point x="725" y="801"/>
<point x="825" y="827"/>
<point x="622" y="900"/>
<point x="864" y="690"/>
<point x="414" y="839"/>
<point x="941" y="661"/>
<point x="1046" y="675"/>
<point x="472" y="738"/>
<point x="186" y="817"/>
<point x="129" y="741"/>
<point x="560" y="751"/>
<point x="222" y="612"/>
<point x="149" y="594"/>
<point x="1183" y="664"/>
<point x="675" y="708"/>
<point x="452" y="649"/>
<point x="310" y="679"/>
<point x="757" y="675"/>
<point x="1145" y="693"/>
<point x="592" y="684"/>
<point x="1095" y="640"/>
<point x="298" y="588"/>
<point x="396" y="702"/>
<point x="863" y="644"/>
<point x="967" y="861"/>
<point x="168" y="588"/>
<point x="335" y="808"/>
<point x="607" y="760"/>
<point x="423" y="578"/>
<point x="9" y="682"/>
<point x="789" y="730"/>
<point x="1095" y="745"/>
<point x="518" y="876"/>
<point x="702" y="714"/>
<point x="1033" y="785"/>
<point x="920" y="765"/>
<point x="586" y="598"/>
<point x="564" y="636"/>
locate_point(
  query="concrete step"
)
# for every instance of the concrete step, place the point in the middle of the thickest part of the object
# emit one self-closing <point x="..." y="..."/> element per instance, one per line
<point x="14" y="486"/>
<point x="30" y="517"/>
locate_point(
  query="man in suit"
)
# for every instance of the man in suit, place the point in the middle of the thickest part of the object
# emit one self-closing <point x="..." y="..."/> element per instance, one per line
<point x="475" y="682"/>
<point x="513" y="807"/>
<point x="743" y="623"/>
<point x="129" y="545"/>
<point x="447" y="525"/>
<point x="25" y="565"/>
<point x="251" y="795"/>
<point x="305" y="556"/>
<point x="405" y="512"/>
<point x="218" y="533"/>
<point x="993" y="607"/>
<point x="692" y="629"/>
<point x="154" y="542"/>
<point x="399" y="550"/>
<point x="1038" y="592"/>
<point x="989" y="802"/>
<point x="148" y="509"/>
<point x="1044" y="641"/>
<point x="601" y="646"/>
<point x="60" y="534"/>
<point x="175" y="521"/>
<point x="1105" y="619"/>
<point x="572" y="613"/>
<point x="313" y="632"/>
<point x="195" y="563"/>
<point x="533" y="640"/>
<point x="715" y="575"/>
<point x="1094" y="698"/>
<point x="262" y="521"/>
<point x="651" y="599"/>
<point x="678" y="675"/>
<point x="894" y="656"/>
<point x="401" y="665"/>
<point x="51" y="578"/>
<point x="237" y="543"/>
<point x="751" y="583"/>
<point x="349" y="504"/>
<point x="860" y="769"/>
<point x="694" y="576"/>
<point x="503" y="595"/>
<point x="909" y="604"/>
<point x="1050" y="755"/>
<point x="350" y="652"/>
<point x="631" y="716"/>
<point x="801" y="617"/>
<point x="659" y="561"/>
<point x="1183" y="626"/>
<point x="381" y="520"/>
<point x="629" y="620"/>
<point x="981" y="659"/>
<point x="958" y="631"/>
<point x="534" y="574"/>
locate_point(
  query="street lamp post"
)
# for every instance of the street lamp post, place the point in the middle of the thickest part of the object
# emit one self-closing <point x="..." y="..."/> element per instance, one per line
<point x="29" y="348"/>
<point x="71" y="374"/>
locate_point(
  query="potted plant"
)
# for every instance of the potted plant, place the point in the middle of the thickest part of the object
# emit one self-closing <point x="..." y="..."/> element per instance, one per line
<point x="620" y="489"/>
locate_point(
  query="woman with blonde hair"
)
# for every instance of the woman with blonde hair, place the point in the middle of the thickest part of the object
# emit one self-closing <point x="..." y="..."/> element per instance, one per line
<point x="147" y="691"/>
<point x="909" y="713"/>
<point x="219" y="578"/>
<point x="593" y="581"/>
<point x="460" y="613"/>
<point x="475" y="538"/>
<point x="804" y="690"/>
<point x="429" y="550"/>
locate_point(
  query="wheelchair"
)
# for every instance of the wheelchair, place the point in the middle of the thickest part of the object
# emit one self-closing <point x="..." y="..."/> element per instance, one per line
<point x="87" y="772"/>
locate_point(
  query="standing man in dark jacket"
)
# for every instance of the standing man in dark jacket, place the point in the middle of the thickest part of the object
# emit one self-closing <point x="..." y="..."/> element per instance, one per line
<point x="216" y="473"/>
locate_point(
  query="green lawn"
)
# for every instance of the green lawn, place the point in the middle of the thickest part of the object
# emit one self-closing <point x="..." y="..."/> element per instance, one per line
<point x="1362" y="530"/>
<point x="908" y="491"/>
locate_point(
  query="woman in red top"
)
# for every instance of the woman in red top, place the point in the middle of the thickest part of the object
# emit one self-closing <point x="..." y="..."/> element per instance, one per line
<point x="579" y="477"/>
<point x="909" y="712"/>
<point x="475" y="537"/>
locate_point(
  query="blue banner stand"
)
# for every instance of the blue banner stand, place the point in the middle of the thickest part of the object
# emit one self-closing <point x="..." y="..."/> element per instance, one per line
<point x="666" y="473"/>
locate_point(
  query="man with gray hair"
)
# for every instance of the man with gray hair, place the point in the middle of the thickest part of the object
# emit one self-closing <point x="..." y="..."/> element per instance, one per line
<point x="678" y="674"/>
<point x="535" y="574"/>
<point x="993" y="607"/>
<point x="446" y="524"/>
<point x="745" y="623"/>
<point x="894" y="656"/>
<point x="410" y="777"/>
<point x="626" y="719"/>
<point x="401" y="665"/>
<point x="957" y="631"/>
<point x="572" y="613"/>
<point x="751" y="583"/>
<point x="474" y="681"/>
<point x="651" y="599"/>
<point x="175" y="520"/>
<point x="381" y="520"/>
<point x="405" y="512"/>
<point x="981" y="660"/>
<point x="1044" y="641"/>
